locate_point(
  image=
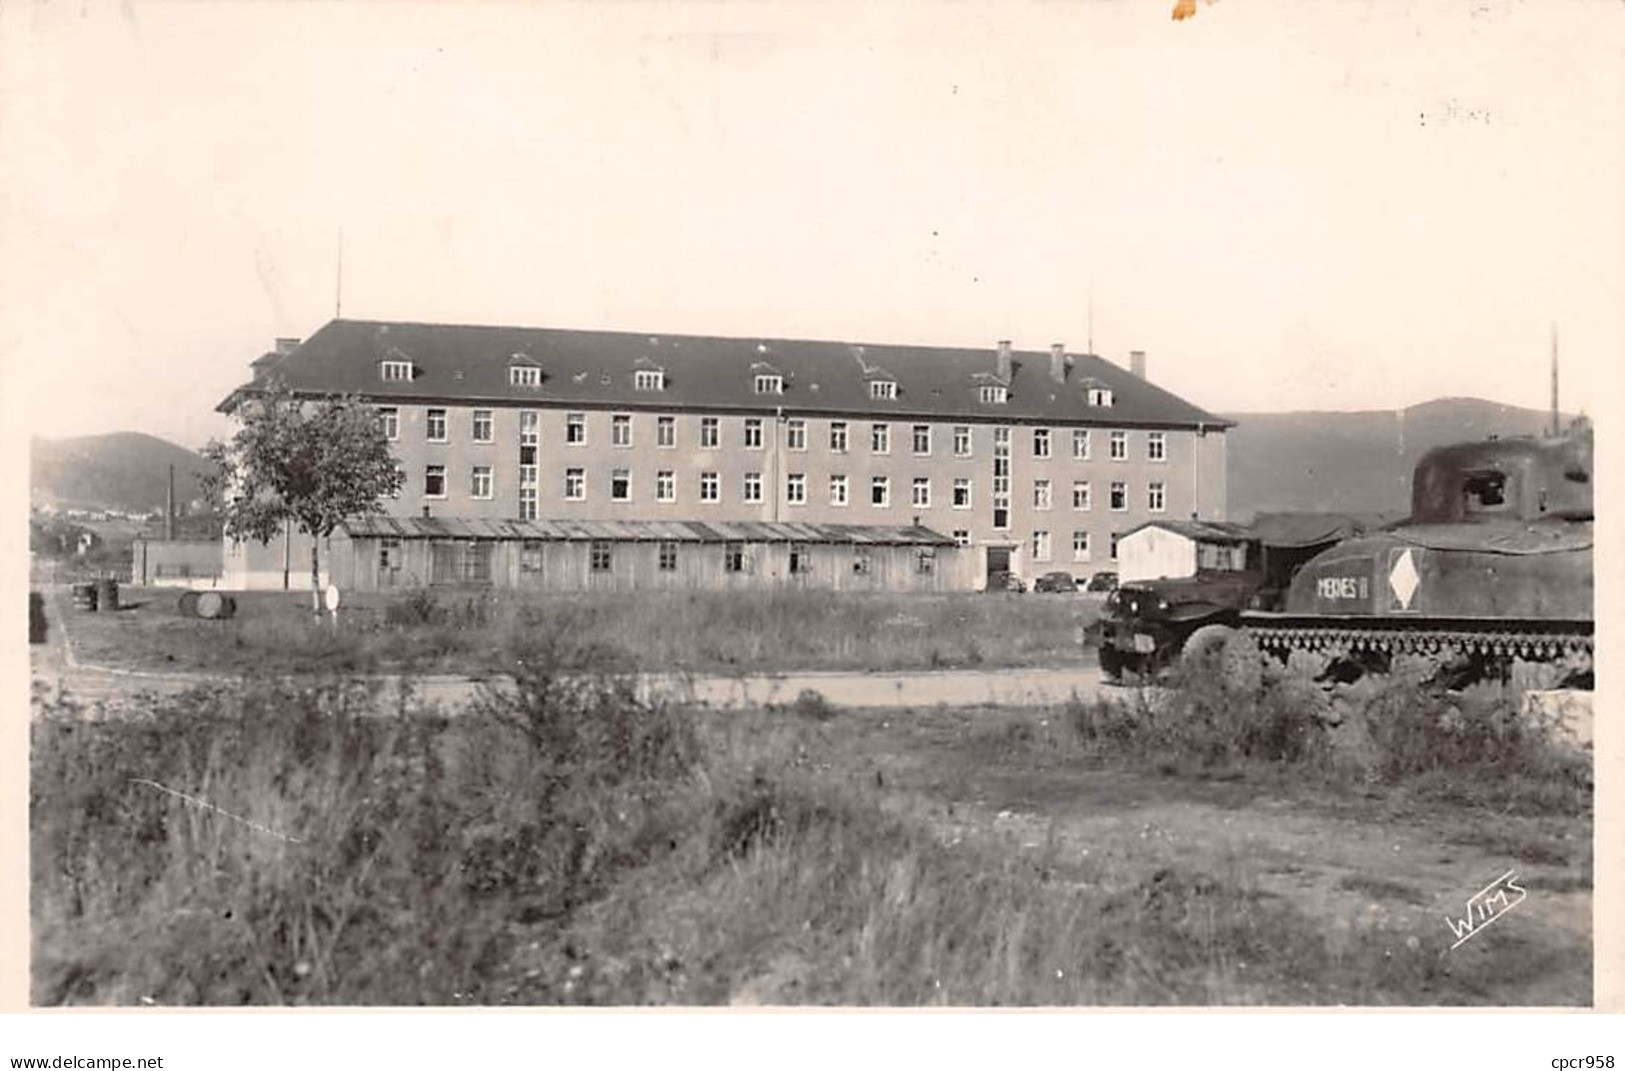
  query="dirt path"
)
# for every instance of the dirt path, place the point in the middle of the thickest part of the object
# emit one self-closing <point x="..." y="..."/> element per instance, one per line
<point x="1371" y="868"/>
<point x="55" y="663"/>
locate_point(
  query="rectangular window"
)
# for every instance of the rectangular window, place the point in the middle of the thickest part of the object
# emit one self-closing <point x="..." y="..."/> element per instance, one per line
<point x="1156" y="446"/>
<point x="1119" y="446"/>
<point x="530" y="423"/>
<point x="860" y="560"/>
<point x="402" y="470"/>
<point x="620" y="430"/>
<point x="648" y="379"/>
<point x="769" y="384"/>
<point x="602" y="562"/>
<point x="922" y="492"/>
<point x="837" y="437"/>
<point x="838" y="490"/>
<point x="389" y="555"/>
<point x="482" y="426"/>
<point x="753" y="433"/>
<point x="1042" y="498"/>
<point x="1040" y="546"/>
<point x="434" y="425"/>
<point x="882" y="390"/>
<point x="434" y="481"/>
<point x="389" y="422"/>
<point x="925" y="560"/>
<point x="961" y="537"/>
<point x="1113" y="550"/>
<point x="992" y="395"/>
<point x="480" y="481"/>
<point x="1080" y="494"/>
<point x="668" y="557"/>
<point x="1080" y="444"/>
<point x="961" y="441"/>
<point x="753" y="487"/>
<point x="880" y="438"/>
<point x="575" y="485"/>
<point x="476" y="564"/>
<point x="524" y="375"/>
<point x="800" y="559"/>
<point x="1119" y="495"/>
<point x="1156" y="498"/>
<point x="733" y="557"/>
<point x="880" y="491"/>
<point x="795" y="434"/>
<point x="666" y="432"/>
<point x="527" y="499"/>
<point x="620" y="485"/>
<point x="795" y="489"/>
<point x="575" y="429"/>
<point x="1102" y="397"/>
<point x="665" y="486"/>
<point x="962" y="492"/>
<point x="1041" y="443"/>
<point x="395" y="371"/>
<point x="710" y="433"/>
<point x="710" y="487"/>
<point x="1080" y="546"/>
<point x="922" y="439"/>
<point x="530" y="556"/>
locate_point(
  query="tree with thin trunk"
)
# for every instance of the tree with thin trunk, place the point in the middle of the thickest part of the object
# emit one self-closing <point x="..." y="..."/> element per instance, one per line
<point x="314" y="462"/>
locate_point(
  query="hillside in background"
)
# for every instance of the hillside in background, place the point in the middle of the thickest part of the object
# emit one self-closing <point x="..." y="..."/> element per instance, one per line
<point x="1353" y="462"/>
<point x="124" y="470"/>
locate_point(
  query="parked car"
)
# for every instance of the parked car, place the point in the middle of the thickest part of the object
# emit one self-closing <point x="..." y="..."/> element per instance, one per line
<point x="1005" y="582"/>
<point x="1055" y="584"/>
<point x="1101" y="583"/>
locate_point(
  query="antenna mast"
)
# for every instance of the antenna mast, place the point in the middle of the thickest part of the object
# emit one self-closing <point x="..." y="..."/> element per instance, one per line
<point x="1090" y="349"/>
<point x="1555" y="429"/>
<point x="338" y="283"/>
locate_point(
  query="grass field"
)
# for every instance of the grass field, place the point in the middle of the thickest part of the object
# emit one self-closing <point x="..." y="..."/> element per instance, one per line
<point x="701" y="632"/>
<point x="279" y="843"/>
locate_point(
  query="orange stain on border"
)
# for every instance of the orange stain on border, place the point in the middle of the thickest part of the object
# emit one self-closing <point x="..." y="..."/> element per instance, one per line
<point x="1184" y="9"/>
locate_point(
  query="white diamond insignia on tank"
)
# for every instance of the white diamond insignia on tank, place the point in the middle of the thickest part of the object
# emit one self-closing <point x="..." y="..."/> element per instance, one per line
<point x="1404" y="579"/>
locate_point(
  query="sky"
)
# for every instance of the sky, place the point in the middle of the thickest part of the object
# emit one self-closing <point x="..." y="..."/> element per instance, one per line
<point x="1288" y="205"/>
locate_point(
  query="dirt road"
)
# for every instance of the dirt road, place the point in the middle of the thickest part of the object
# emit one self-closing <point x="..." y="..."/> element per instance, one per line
<point x="55" y="664"/>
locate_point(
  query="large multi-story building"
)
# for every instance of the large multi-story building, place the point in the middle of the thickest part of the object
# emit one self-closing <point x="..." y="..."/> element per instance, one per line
<point x="1028" y="461"/>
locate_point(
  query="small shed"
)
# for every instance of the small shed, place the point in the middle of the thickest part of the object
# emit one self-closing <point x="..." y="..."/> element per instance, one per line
<point x="1158" y="550"/>
<point x="379" y="553"/>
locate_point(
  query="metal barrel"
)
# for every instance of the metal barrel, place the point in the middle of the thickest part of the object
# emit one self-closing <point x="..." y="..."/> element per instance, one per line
<point x="188" y="604"/>
<point x="215" y="606"/>
<point x="106" y="595"/>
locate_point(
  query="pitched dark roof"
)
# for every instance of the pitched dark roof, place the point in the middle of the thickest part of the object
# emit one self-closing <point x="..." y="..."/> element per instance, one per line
<point x="593" y="369"/>
<point x="1201" y="531"/>
<point x="382" y="525"/>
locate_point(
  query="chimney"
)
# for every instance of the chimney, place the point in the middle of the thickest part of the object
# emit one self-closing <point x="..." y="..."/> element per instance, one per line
<point x="1002" y="366"/>
<point x="285" y="346"/>
<point x="1136" y="362"/>
<point x="1057" y="362"/>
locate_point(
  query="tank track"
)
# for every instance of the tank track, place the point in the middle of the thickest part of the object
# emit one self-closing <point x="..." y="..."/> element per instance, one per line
<point x="1537" y="641"/>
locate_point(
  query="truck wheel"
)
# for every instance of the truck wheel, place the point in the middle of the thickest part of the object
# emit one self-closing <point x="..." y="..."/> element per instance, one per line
<point x="1219" y="652"/>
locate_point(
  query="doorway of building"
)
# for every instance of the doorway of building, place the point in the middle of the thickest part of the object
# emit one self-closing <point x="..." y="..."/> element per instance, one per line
<point x="998" y="567"/>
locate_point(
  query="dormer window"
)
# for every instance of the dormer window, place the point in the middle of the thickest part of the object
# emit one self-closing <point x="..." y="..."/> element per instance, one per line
<point x="769" y="383"/>
<point x="883" y="390"/>
<point x="524" y="375"/>
<point x="993" y="394"/>
<point x="1101" y="396"/>
<point x="395" y="371"/>
<point x="649" y="379"/>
